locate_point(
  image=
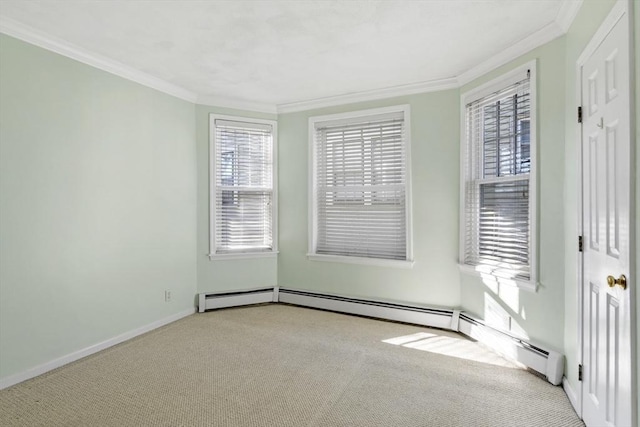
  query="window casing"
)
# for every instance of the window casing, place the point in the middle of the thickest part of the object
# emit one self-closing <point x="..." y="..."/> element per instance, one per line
<point x="242" y="187"/>
<point x="359" y="196"/>
<point x="498" y="167"/>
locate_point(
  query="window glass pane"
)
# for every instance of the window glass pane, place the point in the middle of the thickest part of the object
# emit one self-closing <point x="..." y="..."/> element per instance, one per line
<point x="506" y="136"/>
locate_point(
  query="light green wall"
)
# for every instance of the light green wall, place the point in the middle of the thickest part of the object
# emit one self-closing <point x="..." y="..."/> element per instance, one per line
<point x="224" y="275"/>
<point x="97" y="206"/>
<point x="539" y="314"/>
<point x="433" y="279"/>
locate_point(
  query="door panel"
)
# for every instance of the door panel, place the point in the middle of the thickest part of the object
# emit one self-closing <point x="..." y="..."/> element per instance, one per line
<point x="607" y="379"/>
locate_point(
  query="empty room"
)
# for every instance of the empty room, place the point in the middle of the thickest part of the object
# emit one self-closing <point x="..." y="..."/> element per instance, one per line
<point x="319" y="213"/>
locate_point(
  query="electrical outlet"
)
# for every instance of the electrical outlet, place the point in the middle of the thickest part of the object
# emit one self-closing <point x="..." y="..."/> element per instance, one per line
<point x="167" y="296"/>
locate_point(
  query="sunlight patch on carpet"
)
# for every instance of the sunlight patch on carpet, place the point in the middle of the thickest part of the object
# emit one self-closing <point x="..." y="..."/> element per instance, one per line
<point x="449" y="346"/>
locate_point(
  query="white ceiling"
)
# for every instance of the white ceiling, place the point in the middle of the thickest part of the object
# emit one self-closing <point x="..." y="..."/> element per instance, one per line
<point x="282" y="52"/>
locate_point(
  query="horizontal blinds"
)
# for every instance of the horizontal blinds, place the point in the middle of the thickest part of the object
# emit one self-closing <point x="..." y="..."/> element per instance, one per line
<point x="361" y="188"/>
<point x="244" y="186"/>
<point x="497" y="170"/>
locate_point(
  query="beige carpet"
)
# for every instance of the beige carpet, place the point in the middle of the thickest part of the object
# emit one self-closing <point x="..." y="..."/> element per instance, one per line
<point x="279" y="365"/>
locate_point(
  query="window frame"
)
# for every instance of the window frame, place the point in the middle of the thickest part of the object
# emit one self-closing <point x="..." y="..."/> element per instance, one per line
<point x="492" y="86"/>
<point x="212" y="189"/>
<point x="353" y="117"/>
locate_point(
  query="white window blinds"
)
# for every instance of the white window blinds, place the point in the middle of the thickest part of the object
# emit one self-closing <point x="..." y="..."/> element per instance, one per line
<point x="498" y="202"/>
<point x="361" y="187"/>
<point x="243" y="181"/>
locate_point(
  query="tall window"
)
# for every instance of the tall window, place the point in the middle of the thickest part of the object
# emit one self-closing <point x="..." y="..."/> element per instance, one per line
<point x="242" y="186"/>
<point x="498" y="228"/>
<point x="360" y="194"/>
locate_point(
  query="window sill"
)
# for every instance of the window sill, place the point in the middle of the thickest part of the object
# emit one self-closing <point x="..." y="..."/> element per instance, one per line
<point x="379" y="262"/>
<point x="243" y="255"/>
<point x="479" y="271"/>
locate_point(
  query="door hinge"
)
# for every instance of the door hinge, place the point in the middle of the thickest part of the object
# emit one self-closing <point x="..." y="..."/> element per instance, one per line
<point x="579" y="114"/>
<point x="580" y="243"/>
<point x="579" y="372"/>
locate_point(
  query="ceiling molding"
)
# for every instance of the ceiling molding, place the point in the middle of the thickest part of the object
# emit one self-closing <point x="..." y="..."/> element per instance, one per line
<point x="540" y="37"/>
<point x="30" y="35"/>
<point x="238" y="104"/>
<point x="369" y="95"/>
<point x="567" y="13"/>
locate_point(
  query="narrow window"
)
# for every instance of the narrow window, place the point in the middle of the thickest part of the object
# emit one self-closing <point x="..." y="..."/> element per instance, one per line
<point x="360" y="195"/>
<point x="242" y="186"/>
<point x="498" y="226"/>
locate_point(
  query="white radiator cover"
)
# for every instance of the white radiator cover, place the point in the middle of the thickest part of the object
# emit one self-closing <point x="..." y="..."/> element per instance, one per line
<point x="545" y="361"/>
<point x="209" y="301"/>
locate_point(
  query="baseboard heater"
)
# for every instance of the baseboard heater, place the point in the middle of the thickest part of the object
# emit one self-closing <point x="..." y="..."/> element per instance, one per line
<point x="438" y="318"/>
<point x="233" y="299"/>
<point x="547" y="362"/>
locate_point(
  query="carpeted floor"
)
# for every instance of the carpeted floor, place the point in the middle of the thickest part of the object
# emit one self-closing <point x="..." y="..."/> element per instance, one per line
<point x="279" y="365"/>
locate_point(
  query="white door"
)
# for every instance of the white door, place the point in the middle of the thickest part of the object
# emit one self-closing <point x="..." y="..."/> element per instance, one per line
<point x="606" y="157"/>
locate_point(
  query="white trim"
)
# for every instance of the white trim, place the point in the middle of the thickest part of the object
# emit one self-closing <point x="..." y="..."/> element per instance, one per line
<point x="573" y="397"/>
<point x="369" y="95"/>
<point x="212" y="185"/>
<point x="617" y="11"/>
<point x="580" y="231"/>
<point x="238" y="104"/>
<point x="527" y="285"/>
<point x="361" y="260"/>
<point x="494" y="85"/>
<point x="479" y="92"/>
<point x="64" y="48"/>
<point x="312" y="199"/>
<point x="568" y="11"/>
<point x="537" y="39"/>
<point x="87" y="351"/>
<point x="243" y="255"/>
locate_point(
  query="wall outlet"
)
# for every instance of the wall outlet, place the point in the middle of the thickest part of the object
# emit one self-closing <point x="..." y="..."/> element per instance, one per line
<point x="167" y="296"/>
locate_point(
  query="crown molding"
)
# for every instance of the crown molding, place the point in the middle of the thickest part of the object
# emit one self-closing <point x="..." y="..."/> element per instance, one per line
<point x="370" y="95"/>
<point x="540" y="37"/>
<point x="38" y="38"/>
<point x="567" y="13"/>
<point x="237" y="104"/>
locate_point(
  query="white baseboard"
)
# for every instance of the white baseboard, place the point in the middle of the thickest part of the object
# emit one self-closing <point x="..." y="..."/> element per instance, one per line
<point x="572" y="395"/>
<point x="76" y="355"/>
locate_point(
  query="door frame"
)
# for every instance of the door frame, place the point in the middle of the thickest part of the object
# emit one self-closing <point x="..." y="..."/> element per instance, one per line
<point x="618" y="12"/>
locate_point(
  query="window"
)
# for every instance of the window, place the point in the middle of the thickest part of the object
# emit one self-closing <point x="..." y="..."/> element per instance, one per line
<point x="498" y="225"/>
<point x="360" y="197"/>
<point x="243" y="204"/>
